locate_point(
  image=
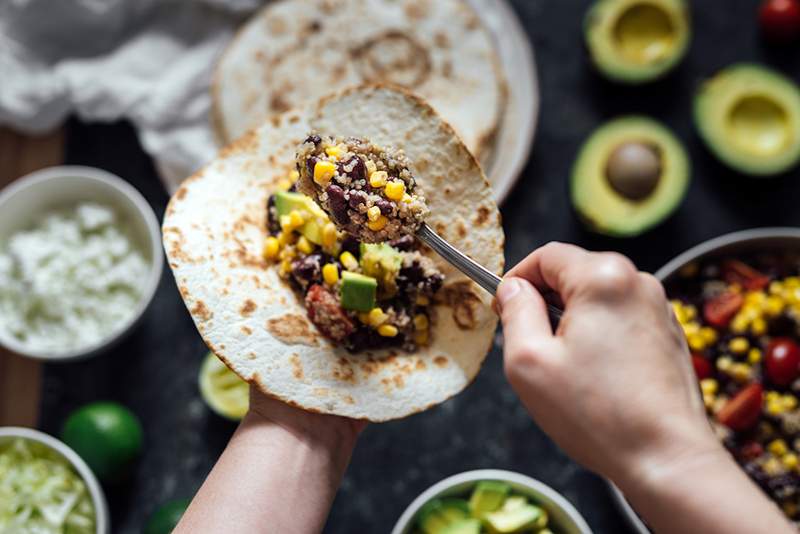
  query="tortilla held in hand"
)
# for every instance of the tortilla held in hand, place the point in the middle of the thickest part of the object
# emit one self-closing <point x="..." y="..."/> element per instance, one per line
<point x="253" y="315"/>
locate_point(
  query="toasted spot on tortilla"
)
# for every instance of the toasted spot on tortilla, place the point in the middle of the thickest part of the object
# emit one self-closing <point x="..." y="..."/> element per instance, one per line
<point x="201" y="311"/>
<point x="293" y="329"/>
<point x="421" y="365"/>
<point x="248" y="142"/>
<point x="464" y="302"/>
<point x="398" y="380"/>
<point x="417" y="10"/>
<point x="440" y="361"/>
<point x="393" y="57"/>
<point x="482" y="215"/>
<point x="349" y="399"/>
<point x="248" y="308"/>
<point x="441" y="40"/>
<point x="246" y="330"/>
<point x="278" y="104"/>
<point x="344" y="372"/>
<point x="297" y="367"/>
<point x="276" y="25"/>
<point x="321" y="392"/>
<point x="181" y="192"/>
<point x="369" y="367"/>
<point x="462" y="230"/>
<point x="447" y="68"/>
<point x="448" y="190"/>
<point x="251" y="355"/>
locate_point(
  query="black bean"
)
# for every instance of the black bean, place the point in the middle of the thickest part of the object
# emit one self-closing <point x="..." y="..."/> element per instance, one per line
<point x="350" y="244"/>
<point x="310" y="163"/>
<point x="307" y="271"/>
<point x="357" y="198"/>
<point x="273" y="224"/>
<point x="385" y="206"/>
<point x="337" y="203"/>
<point x="782" y="486"/>
<point x="404" y="243"/>
<point x="314" y="138"/>
<point x="358" y="170"/>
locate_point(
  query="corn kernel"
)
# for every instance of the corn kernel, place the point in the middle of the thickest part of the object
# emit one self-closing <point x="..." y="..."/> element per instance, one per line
<point x="724" y="363"/>
<point x="709" y="400"/>
<point x="754" y="356"/>
<point x="789" y="402"/>
<point x="304" y="245"/>
<point x="407" y="198"/>
<point x="789" y="509"/>
<point x="371" y="167"/>
<point x="709" y="386"/>
<point x="777" y="447"/>
<point x="775" y="288"/>
<point x="294" y="176"/>
<point x="421" y="321"/>
<point x="286" y="267"/>
<point x="284" y="184"/>
<point x="773" y="306"/>
<point x="349" y="261"/>
<point x="775" y="407"/>
<point x="377" y="317"/>
<point x="740" y="372"/>
<point x="395" y="190"/>
<point x="323" y="172"/>
<point x="297" y="218"/>
<point x="690" y="328"/>
<point x="759" y="327"/>
<point x="287" y="253"/>
<point x="334" y="151"/>
<point x="422" y="300"/>
<point x="739" y="345"/>
<point x="772" y="467"/>
<point x="378" y="224"/>
<point x="330" y="273"/>
<point x="771" y="396"/>
<point x="792" y="282"/>
<point x="387" y="330"/>
<point x="378" y="178"/>
<point x="271" y="248"/>
<point x="329" y="235"/>
<point x="364" y="317"/>
<point x="421" y="338"/>
<point x="373" y="213"/>
<point x="677" y="309"/>
<point x="709" y="335"/>
<point x="696" y="342"/>
<point x="286" y="238"/>
<point x="789" y="460"/>
<point x="740" y="323"/>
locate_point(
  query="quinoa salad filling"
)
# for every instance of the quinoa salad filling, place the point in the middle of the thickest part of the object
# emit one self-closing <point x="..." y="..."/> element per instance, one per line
<point x="742" y="324"/>
<point x="358" y="294"/>
<point x="368" y="191"/>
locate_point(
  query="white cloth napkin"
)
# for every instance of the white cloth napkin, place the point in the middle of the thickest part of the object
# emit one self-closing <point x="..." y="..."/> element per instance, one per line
<point x="148" y="61"/>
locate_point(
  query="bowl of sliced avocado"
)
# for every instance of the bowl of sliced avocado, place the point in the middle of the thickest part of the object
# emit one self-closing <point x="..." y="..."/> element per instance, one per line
<point x="749" y="117"/>
<point x="490" y="501"/>
<point x="637" y="41"/>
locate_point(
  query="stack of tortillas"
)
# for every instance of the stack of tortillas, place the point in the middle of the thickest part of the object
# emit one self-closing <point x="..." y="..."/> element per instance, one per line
<point x="295" y="51"/>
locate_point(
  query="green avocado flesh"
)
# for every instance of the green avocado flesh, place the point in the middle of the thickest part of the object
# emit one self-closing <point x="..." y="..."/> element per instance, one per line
<point x="636" y="41"/>
<point x="286" y="202"/>
<point x="382" y="262"/>
<point x="599" y="200"/>
<point x="358" y="291"/>
<point x="490" y="508"/>
<point x="749" y="117"/>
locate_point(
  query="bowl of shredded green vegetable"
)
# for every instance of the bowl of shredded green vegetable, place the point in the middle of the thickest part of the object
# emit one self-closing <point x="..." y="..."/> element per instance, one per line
<point x="45" y="488"/>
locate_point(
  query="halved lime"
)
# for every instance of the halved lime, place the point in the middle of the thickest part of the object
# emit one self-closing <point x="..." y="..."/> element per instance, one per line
<point x="222" y="389"/>
<point x="166" y="517"/>
<point x="107" y="435"/>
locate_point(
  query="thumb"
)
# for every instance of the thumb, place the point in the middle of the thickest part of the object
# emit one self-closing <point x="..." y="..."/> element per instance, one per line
<point x="523" y="312"/>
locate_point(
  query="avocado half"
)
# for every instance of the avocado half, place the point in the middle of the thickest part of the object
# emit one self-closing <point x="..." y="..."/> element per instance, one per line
<point x="749" y="116"/>
<point x="636" y="41"/>
<point x="633" y="147"/>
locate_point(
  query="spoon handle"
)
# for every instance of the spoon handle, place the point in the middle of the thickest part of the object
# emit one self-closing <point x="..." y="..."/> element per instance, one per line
<point x="477" y="272"/>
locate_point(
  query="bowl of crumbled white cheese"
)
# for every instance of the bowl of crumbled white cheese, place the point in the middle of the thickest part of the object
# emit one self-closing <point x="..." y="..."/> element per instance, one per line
<point x="80" y="261"/>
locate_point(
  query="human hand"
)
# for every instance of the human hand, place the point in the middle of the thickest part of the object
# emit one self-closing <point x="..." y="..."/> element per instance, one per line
<point x="614" y="385"/>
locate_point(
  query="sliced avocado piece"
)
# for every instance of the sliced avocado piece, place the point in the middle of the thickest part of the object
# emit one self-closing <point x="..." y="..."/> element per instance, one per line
<point x="383" y="262"/>
<point x="514" y="502"/>
<point x="455" y="509"/>
<point x="429" y="518"/>
<point x="630" y="175"/>
<point x="287" y="201"/>
<point x="526" y="517"/>
<point x="749" y="117"/>
<point x="358" y="291"/>
<point x="487" y="496"/>
<point x="637" y="41"/>
<point x="463" y="526"/>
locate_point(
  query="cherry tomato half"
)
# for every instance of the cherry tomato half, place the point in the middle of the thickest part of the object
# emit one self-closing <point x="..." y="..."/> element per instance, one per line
<point x="780" y="19"/>
<point x="783" y="361"/>
<point x="720" y="310"/>
<point x="743" y="410"/>
<point x="737" y="272"/>
<point x="702" y="367"/>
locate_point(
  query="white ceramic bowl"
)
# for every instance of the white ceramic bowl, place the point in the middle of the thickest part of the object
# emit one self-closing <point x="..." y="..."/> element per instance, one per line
<point x="41" y="191"/>
<point x="562" y="514"/>
<point x="728" y="244"/>
<point x="98" y="498"/>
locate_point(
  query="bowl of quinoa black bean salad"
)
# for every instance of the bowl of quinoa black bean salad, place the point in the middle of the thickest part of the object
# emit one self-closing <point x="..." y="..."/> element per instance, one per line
<point x="737" y="299"/>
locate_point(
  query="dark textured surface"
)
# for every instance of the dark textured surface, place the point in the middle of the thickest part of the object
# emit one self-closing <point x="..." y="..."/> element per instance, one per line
<point x="154" y="371"/>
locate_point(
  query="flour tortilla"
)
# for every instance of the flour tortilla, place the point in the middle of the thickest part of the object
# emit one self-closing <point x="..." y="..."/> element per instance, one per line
<point x="293" y="52"/>
<point x="214" y="231"/>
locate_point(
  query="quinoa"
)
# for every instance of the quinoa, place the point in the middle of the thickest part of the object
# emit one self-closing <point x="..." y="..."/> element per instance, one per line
<point x="368" y="191"/>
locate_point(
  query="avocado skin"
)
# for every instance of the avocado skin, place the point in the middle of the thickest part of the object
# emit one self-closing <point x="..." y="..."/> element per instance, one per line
<point x="598" y="39"/>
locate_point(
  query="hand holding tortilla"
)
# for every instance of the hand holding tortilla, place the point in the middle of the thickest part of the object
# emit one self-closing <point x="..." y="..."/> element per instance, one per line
<point x="312" y="316"/>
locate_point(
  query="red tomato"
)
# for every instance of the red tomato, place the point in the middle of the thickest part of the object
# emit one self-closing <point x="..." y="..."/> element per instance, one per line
<point x="783" y="361"/>
<point x="742" y="411"/>
<point x="702" y="367"/>
<point x="751" y="450"/>
<point x="720" y="310"/>
<point x="780" y="19"/>
<point x="737" y="272"/>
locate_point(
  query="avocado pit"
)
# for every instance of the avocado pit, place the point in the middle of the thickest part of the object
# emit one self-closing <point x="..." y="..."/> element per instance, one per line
<point x="634" y="169"/>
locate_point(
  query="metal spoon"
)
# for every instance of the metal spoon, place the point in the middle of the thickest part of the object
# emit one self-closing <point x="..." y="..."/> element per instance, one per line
<point x="477" y="272"/>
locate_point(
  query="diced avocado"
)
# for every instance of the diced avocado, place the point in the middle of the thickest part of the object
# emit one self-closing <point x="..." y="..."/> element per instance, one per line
<point x="487" y="496"/>
<point x="454" y="509"/>
<point x="381" y="261"/>
<point x="514" y="502"/>
<point x="287" y="201"/>
<point x="429" y="518"/>
<point x="463" y="526"/>
<point x="525" y="518"/>
<point x="358" y="291"/>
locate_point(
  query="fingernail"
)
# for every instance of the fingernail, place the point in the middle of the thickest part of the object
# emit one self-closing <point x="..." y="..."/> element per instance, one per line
<point x="507" y="290"/>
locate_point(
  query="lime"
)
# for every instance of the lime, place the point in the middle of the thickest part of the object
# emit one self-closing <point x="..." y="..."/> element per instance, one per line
<point x="107" y="435"/>
<point x="222" y="389"/>
<point x="166" y="517"/>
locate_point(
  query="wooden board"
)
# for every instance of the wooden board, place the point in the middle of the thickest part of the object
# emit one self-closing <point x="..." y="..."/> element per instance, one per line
<point x="20" y="378"/>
